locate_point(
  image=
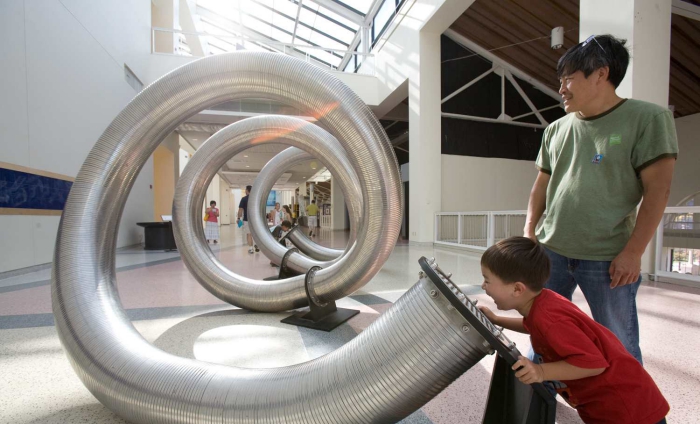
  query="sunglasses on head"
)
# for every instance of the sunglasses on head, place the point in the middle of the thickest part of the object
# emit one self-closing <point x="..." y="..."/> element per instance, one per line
<point x="592" y="38"/>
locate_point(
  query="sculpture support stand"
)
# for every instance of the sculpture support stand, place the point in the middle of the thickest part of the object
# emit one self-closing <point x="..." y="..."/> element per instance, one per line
<point x="320" y="316"/>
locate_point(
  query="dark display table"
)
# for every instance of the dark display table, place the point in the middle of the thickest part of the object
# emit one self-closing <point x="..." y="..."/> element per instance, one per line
<point x="158" y="235"/>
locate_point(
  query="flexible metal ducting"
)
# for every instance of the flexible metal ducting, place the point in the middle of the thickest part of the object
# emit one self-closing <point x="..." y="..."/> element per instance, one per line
<point x="412" y="352"/>
<point x="191" y="187"/>
<point x="266" y="180"/>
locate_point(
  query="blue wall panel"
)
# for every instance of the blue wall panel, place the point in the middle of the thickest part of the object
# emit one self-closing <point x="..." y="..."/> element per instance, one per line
<point x="29" y="191"/>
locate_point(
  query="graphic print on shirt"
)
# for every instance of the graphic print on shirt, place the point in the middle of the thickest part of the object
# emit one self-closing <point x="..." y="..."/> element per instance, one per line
<point x="615" y="139"/>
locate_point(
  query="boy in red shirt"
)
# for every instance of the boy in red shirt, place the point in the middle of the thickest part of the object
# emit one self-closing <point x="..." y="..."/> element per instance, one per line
<point x="604" y="382"/>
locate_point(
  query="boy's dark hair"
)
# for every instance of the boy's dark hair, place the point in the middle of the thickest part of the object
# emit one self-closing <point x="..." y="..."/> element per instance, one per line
<point x="518" y="259"/>
<point x="596" y="52"/>
<point x="286" y="224"/>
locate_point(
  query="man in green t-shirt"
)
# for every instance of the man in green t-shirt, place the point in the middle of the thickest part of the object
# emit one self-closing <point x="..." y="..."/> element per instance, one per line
<point x="595" y="165"/>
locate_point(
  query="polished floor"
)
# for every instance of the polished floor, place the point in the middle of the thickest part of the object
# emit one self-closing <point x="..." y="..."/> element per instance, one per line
<point x="170" y="309"/>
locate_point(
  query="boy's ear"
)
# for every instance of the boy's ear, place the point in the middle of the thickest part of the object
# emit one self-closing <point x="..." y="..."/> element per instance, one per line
<point x="519" y="288"/>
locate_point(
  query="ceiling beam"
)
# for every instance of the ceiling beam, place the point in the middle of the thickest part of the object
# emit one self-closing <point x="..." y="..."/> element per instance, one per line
<point x="527" y="99"/>
<point x="296" y="22"/>
<point x="686" y="9"/>
<point x="341" y="11"/>
<point x="464" y="41"/>
<point x="492" y="120"/>
<point x="467" y="85"/>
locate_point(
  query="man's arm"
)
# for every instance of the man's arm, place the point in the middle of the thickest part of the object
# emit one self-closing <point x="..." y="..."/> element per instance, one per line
<point x="536" y="204"/>
<point x="240" y="213"/>
<point x="656" y="179"/>
<point x="561" y="370"/>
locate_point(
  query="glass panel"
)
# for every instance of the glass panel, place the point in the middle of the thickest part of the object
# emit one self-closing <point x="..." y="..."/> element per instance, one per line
<point x="384" y="15"/>
<point x="324" y="25"/>
<point x="316" y="8"/>
<point x="361" y="6"/>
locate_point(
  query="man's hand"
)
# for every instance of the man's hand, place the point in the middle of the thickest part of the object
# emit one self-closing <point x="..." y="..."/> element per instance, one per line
<point x="625" y="268"/>
<point x="529" y="372"/>
<point x="530" y="233"/>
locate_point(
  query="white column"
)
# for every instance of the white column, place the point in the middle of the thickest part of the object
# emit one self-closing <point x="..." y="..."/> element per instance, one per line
<point x="338" y="218"/>
<point x="425" y="129"/>
<point x="646" y="25"/>
<point x="225" y="205"/>
<point x="425" y="120"/>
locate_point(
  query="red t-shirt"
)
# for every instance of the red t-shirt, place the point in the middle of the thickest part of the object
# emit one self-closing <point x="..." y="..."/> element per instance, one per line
<point x="623" y="393"/>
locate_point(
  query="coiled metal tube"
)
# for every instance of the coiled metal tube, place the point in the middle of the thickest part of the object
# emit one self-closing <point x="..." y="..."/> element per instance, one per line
<point x="266" y="180"/>
<point x="401" y="361"/>
<point x="189" y="194"/>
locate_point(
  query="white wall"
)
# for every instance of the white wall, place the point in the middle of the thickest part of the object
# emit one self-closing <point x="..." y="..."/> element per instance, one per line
<point x="686" y="177"/>
<point x="485" y="184"/>
<point x="62" y="83"/>
<point x="225" y="205"/>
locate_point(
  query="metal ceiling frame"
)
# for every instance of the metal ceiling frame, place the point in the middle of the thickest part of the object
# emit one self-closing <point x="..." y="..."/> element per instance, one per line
<point x="686" y="9"/>
<point x="250" y="35"/>
<point x="507" y="72"/>
<point x="245" y="33"/>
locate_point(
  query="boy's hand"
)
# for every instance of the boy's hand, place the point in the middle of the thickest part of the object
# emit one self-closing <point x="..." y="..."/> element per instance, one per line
<point x="527" y="371"/>
<point x="489" y="314"/>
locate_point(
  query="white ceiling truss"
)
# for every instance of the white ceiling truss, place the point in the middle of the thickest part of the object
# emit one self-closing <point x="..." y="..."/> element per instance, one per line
<point x="507" y="72"/>
<point x="686" y="9"/>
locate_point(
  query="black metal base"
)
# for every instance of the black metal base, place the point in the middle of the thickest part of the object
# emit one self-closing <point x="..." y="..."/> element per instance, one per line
<point x="328" y="322"/>
<point x="285" y="271"/>
<point x="512" y="402"/>
<point x="319" y="316"/>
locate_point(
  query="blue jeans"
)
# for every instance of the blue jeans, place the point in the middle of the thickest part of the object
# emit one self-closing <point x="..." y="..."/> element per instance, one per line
<point x="615" y="308"/>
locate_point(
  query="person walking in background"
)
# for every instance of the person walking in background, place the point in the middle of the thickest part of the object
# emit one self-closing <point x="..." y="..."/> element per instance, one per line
<point x="211" y="231"/>
<point x="312" y="211"/>
<point x="243" y="214"/>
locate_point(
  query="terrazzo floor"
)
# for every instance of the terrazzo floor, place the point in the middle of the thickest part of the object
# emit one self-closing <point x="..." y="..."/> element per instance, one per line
<point x="171" y="310"/>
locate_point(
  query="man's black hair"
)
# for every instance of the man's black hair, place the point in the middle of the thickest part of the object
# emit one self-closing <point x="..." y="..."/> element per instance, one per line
<point x="212" y="203"/>
<point x="313" y="201"/>
<point x="249" y="188"/>
<point x="596" y="52"/>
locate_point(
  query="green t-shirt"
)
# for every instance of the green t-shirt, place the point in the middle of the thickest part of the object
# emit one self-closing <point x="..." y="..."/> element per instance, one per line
<point x="595" y="187"/>
<point x="312" y="209"/>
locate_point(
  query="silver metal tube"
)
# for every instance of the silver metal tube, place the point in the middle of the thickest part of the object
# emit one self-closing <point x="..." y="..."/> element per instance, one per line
<point x="189" y="194"/>
<point x="381" y="376"/>
<point x="313" y="249"/>
<point x="266" y="180"/>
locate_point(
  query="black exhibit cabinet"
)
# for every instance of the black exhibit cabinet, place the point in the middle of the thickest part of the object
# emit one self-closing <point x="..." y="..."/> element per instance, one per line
<point x="158" y="235"/>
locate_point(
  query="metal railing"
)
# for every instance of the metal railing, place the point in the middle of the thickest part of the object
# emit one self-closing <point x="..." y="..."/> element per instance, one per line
<point x="325" y="221"/>
<point x="678" y="244"/>
<point x="677" y="237"/>
<point x="173" y="42"/>
<point x="477" y="230"/>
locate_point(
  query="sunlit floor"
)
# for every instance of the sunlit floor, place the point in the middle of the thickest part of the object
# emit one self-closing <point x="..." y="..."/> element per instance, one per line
<point x="170" y="309"/>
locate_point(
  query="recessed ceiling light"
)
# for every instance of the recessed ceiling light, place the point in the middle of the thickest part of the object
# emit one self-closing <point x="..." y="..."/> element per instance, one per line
<point x="195" y="139"/>
<point x="247" y="166"/>
<point x="313" y="168"/>
<point x="245" y="156"/>
<point x="304" y="177"/>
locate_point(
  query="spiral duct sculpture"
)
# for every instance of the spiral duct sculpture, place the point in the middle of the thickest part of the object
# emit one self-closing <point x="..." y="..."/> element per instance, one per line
<point x="412" y="352"/>
<point x="264" y="183"/>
